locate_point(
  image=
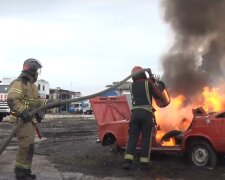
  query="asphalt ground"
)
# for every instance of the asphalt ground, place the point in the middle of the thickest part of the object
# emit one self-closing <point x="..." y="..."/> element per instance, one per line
<point x="42" y="167"/>
<point x="68" y="151"/>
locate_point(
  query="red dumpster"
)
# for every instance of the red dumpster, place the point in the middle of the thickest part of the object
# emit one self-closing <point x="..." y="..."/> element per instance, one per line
<point x="112" y="115"/>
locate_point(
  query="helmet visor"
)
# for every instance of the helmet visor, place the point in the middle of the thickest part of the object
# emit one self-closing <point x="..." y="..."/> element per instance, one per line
<point x="39" y="71"/>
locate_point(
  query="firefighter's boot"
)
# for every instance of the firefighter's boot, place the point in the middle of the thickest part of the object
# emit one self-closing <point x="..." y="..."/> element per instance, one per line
<point x="24" y="174"/>
<point x="127" y="164"/>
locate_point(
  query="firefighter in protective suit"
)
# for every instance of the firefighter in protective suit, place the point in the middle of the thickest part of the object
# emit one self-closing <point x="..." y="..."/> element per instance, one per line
<point x="23" y="97"/>
<point x="142" y="118"/>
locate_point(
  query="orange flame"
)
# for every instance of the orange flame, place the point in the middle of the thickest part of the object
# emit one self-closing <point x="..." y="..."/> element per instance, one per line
<point x="178" y="114"/>
<point x="171" y="142"/>
<point x="159" y="135"/>
<point x="213" y="99"/>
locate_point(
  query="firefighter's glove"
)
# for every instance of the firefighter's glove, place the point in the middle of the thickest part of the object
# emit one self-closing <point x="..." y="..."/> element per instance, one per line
<point x="149" y="71"/>
<point x="151" y="76"/>
<point x="39" y="116"/>
<point x="151" y="80"/>
<point x="26" y="116"/>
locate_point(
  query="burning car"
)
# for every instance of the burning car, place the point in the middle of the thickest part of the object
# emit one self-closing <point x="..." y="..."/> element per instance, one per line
<point x="201" y="142"/>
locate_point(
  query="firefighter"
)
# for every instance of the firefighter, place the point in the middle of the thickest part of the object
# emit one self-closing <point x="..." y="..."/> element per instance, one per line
<point x="142" y="118"/>
<point x="23" y="97"/>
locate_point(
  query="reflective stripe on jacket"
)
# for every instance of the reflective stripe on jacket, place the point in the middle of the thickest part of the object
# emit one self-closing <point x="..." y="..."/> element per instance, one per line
<point x="141" y="95"/>
<point x="23" y="95"/>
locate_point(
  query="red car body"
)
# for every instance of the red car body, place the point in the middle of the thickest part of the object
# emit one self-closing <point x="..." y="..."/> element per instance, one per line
<point x="209" y="127"/>
<point x="201" y="142"/>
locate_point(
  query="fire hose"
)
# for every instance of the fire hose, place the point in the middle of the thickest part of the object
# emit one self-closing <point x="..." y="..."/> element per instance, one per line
<point x="62" y="102"/>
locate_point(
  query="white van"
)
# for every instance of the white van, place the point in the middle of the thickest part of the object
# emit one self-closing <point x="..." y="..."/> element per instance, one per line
<point x="87" y="108"/>
<point x="78" y="108"/>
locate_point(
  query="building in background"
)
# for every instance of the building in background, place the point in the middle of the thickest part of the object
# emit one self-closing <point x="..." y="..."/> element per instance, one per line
<point x="123" y="89"/>
<point x="120" y="90"/>
<point x="43" y="88"/>
<point x="63" y="94"/>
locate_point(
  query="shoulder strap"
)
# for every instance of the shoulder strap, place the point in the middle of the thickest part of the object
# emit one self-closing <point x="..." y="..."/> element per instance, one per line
<point x="147" y="92"/>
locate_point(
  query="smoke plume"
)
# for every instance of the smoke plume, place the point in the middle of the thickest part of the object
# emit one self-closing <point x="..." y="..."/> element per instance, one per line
<point x="196" y="58"/>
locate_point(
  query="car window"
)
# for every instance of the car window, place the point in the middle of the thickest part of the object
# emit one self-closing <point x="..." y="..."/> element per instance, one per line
<point x="85" y="105"/>
<point x="77" y="105"/>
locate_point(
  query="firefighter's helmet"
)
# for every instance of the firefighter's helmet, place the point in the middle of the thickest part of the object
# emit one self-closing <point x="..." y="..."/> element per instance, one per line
<point x="138" y="76"/>
<point x="136" y="69"/>
<point x="32" y="66"/>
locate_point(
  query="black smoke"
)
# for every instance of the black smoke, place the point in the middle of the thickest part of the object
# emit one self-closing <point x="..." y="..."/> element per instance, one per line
<point x="196" y="58"/>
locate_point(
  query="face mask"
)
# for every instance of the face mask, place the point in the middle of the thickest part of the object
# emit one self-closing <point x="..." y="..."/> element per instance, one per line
<point x="34" y="78"/>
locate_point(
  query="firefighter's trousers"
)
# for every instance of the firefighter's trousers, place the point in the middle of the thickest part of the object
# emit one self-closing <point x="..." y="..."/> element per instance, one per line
<point x="25" y="137"/>
<point x="141" y="122"/>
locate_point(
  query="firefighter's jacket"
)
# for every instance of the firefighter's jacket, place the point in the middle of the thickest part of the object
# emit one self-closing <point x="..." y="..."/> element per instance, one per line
<point x="23" y="95"/>
<point x="142" y="91"/>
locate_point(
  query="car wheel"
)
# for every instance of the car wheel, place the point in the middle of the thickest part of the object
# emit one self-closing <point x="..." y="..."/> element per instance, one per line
<point x="202" y="154"/>
<point x="1" y="118"/>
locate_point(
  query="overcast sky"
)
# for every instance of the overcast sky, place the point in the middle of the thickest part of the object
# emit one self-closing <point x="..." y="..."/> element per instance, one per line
<point x="83" y="45"/>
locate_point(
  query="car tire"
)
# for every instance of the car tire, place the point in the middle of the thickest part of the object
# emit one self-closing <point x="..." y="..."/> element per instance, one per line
<point x="1" y="118"/>
<point x="202" y="154"/>
<point x="89" y="112"/>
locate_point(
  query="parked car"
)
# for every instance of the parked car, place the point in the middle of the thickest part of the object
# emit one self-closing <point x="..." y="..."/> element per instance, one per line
<point x="76" y="107"/>
<point x="201" y="143"/>
<point x="4" y="108"/>
<point x="87" y="109"/>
